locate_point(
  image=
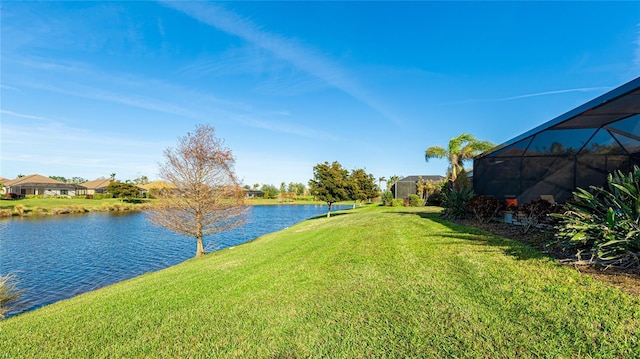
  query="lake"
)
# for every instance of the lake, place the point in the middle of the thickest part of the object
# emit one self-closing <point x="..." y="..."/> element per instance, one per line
<point x="58" y="257"/>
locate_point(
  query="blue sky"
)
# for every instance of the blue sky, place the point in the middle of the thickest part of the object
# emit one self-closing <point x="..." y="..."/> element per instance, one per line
<point x="94" y="88"/>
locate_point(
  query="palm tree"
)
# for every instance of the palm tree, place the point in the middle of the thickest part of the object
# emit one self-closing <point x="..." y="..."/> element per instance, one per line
<point x="461" y="148"/>
<point x="392" y="179"/>
<point x="380" y="180"/>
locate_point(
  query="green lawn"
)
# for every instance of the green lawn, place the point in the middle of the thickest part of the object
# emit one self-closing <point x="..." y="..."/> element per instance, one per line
<point x="373" y="282"/>
<point x="48" y="206"/>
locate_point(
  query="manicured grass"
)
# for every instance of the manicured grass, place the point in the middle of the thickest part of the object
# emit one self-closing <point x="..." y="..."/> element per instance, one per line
<point x="372" y="282"/>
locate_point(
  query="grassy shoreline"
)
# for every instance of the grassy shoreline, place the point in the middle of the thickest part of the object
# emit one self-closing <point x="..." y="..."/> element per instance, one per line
<point x="371" y="282"/>
<point x="57" y="206"/>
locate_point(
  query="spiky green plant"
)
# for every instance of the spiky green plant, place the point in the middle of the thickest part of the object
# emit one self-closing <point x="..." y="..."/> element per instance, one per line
<point x="606" y="221"/>
<point x="8" y="294"/>
<point x="455" y="203"/>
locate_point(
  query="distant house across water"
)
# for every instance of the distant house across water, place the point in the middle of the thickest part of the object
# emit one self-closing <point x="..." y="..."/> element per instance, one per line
<point x="97" y="186"/>
<point x="36" y="184"/>
<point x="250" y="193"/>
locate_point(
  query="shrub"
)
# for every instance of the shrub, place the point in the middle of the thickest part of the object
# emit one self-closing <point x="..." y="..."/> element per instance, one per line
<point x="19" y="208"/>
<point x="537" y="213"/>
<point x="455" y="203"/>
<point x="605" y="221"/>
<point x="39" y="210"/>
<point x="397" y="202"/>
<point x="435" y="199"/>
<point x="30" y="196"/>
<point x="415" y="201"/>
<point x="60" y="210"/>
<point x="8" y="294"/>
<point x="484" y="208"/>
<point x="387" y="198"/>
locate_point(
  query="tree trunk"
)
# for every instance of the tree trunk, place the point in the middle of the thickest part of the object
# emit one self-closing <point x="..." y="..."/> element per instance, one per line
<point x="329" y="210"/>
<point x="200" y="247"/>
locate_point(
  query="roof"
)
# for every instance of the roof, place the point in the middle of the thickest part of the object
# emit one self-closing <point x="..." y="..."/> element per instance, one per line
<point x="157" y="184"/>
<point x="616" y="105"/>
<point x="424" y="177"/>
<point x="30" y="179"/>
<point x="95" y="184"/>
<point x="36" y="179"/>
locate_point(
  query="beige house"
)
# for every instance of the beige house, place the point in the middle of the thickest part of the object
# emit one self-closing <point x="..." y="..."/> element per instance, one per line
<point x="40" y="185"/>
<point x="96" y="186"/>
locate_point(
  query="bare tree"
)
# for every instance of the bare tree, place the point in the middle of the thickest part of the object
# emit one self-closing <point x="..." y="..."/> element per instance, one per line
<point x="207" y="197"/>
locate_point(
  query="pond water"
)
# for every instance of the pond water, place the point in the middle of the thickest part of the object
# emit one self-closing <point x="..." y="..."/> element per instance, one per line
<point x="58" y="257"/>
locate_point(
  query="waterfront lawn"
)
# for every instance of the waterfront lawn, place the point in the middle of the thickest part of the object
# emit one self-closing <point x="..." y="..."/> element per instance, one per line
<point x="372" y="282"/>
<point x="41" y="206"/>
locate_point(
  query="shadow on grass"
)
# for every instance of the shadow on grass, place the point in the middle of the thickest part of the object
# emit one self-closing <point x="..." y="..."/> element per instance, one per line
<point x="480" y="237"/>
<point x="333" y="214"/>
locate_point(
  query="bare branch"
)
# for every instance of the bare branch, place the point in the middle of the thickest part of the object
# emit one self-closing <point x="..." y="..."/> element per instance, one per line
<point x="207" y="197"/>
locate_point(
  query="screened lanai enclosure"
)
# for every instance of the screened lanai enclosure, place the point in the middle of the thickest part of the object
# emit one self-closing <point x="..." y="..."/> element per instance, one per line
<point x="577" y="149"/>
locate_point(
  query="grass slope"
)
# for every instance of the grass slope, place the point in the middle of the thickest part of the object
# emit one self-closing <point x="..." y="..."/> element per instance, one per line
<point x="374" y="282"/>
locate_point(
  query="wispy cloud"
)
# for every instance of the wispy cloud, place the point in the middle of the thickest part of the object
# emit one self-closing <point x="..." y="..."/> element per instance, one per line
<point x="7" y="87"/>
<point x="286" y="128"/>
<point x="546" y="93"/>
<point x="535" y="94"/>
<point x="58" y="147"/>
<point x="298" y="55"/>
<point x="203" y="106"/>
<point x="22" y="115"/>
<point x="90" y="92"/>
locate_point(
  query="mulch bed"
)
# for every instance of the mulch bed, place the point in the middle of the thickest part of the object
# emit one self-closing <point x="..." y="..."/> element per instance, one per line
<point x="629" y="282"/>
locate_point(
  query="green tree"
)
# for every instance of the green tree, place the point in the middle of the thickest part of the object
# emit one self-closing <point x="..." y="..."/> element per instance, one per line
<point x="421" y="188"/>
<point x="362" y="186"/>
<point x="283" y="190"/>
<point x="59" y="178"/>
<point x="270" y="191"/>
<point x="78" y="180"/>
<point x="207" y="197"/>
<point x="142" y="180"/>
<point x="297" y="189"/>
<point x="123" y="190"/>
<point x="330" y="183"/>
<point x="460" y="149"/>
